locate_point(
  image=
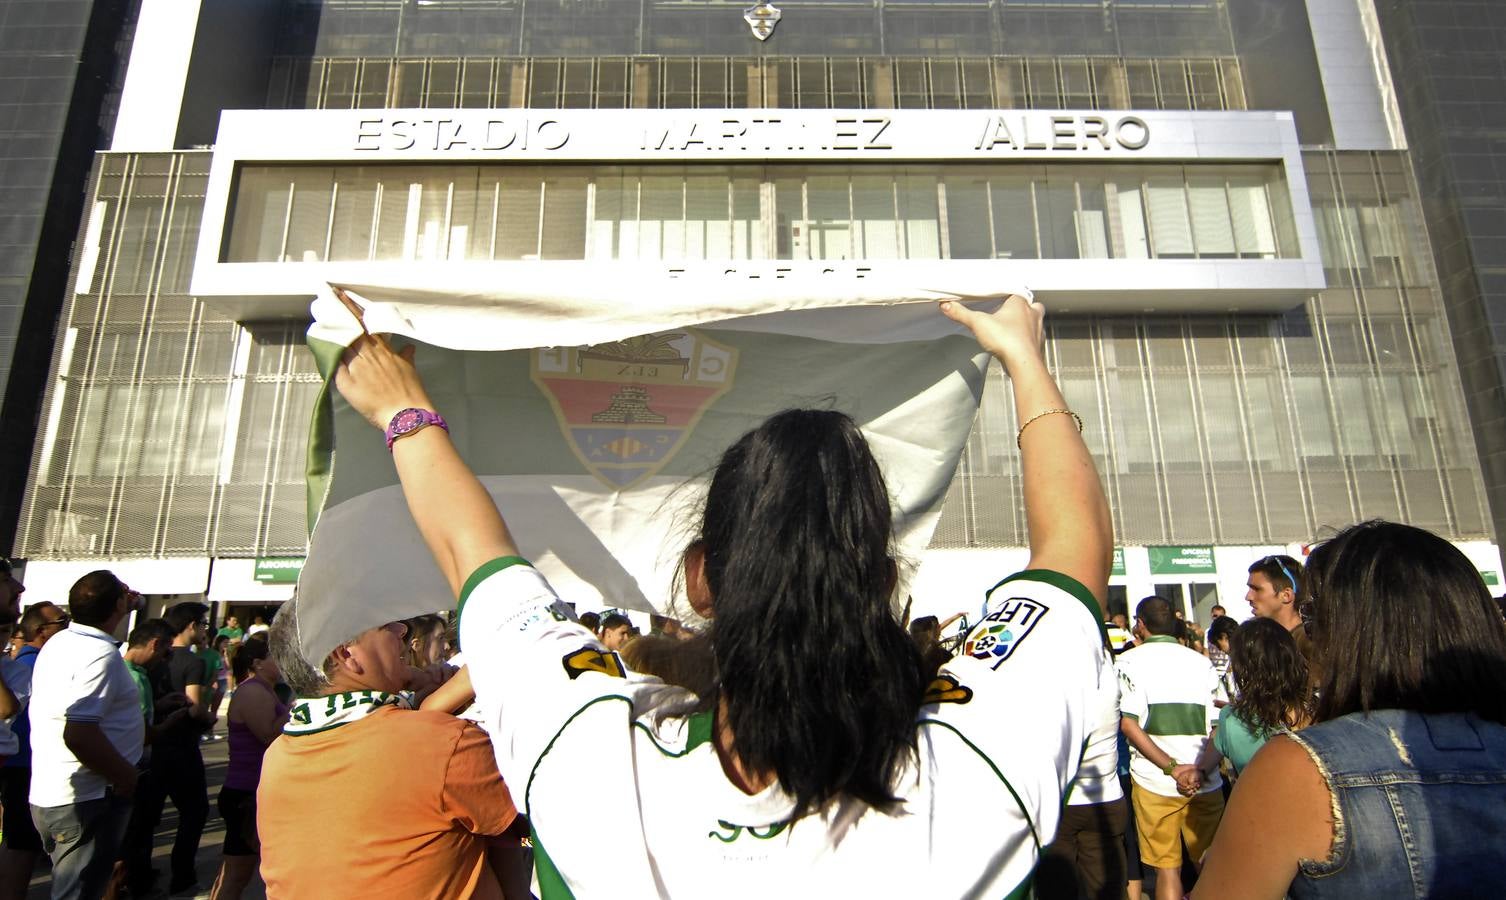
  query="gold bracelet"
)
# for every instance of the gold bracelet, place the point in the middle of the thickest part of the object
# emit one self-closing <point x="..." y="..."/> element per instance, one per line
<point x="1049" y="412"/>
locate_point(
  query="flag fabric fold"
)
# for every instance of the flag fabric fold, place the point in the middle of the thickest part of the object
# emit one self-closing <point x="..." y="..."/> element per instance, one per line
<point x="596" y="434"/>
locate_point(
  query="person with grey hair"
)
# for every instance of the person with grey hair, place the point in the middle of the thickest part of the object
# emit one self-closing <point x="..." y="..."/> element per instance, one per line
<point x="351" y="720"/>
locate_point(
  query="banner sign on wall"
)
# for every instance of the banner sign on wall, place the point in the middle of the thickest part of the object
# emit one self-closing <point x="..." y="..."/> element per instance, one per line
<point x="1181" y="560"/>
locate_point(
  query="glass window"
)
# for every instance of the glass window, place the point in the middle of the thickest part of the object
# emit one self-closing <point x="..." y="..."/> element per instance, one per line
<point x="1170" y="224"/>
<point x="968" y="234"/>
<point x="1212" y="229"/>
<point x="1056" y="206"/>
<point x="919" y="210"/>
<point x="1012" y="200"/>
<point x="518" y="217"/>
<point x="476" y="84"/>
<point x="827" y="202"/>
<point x="494" y="211"/>
<point x="875" y="223"/>
<point x="261" y="211"/>
<point x="444" y="84"/>
<point x="1092" y="219"/>
<point x="563" y="228"/>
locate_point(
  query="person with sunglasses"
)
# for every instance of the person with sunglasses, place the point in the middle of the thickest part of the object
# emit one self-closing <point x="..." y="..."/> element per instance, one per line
<point x="1275" y="592"/>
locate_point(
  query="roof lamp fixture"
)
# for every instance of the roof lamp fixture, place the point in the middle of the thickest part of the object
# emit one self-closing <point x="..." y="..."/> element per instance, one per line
<point x="762" y="17"/>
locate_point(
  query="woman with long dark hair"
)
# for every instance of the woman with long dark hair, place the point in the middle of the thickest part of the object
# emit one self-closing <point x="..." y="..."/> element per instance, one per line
<point x="1399" y="786"/>
<point x="821" y="762"/>
<point x="1273" y="696"/>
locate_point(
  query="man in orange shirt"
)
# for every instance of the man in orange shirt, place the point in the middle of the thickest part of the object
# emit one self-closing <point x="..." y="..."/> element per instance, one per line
<point x="364" y="796"/>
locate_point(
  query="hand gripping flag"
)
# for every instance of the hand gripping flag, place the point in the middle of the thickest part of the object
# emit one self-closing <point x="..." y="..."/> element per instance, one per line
<point x="594" y="418"/>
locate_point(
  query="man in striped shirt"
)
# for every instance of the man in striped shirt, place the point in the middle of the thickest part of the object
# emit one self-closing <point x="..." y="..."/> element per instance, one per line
<point x="1166" y="699"/>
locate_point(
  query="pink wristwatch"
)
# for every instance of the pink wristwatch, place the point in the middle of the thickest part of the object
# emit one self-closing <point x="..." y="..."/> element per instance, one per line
<point x="410" y="420"/>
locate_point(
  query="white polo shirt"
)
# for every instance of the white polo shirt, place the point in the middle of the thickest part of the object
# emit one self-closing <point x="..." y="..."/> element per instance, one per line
<point x="79" y="677"/>
<point x="1000" y="738"/>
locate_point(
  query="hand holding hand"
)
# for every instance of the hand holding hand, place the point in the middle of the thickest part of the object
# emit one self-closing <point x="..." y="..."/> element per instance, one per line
<point x="1013" y="333"/>
<point x="379" y="382"/>
<point x="1189" y="779"/>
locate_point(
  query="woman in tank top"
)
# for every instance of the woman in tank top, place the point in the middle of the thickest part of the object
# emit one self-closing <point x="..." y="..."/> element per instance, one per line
<point x="1399" y="788"/>
<point x="256" y="719"/>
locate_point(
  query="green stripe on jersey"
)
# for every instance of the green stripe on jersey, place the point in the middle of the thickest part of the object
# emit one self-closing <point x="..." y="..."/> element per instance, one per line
<point x="552" y="884"/>
<point x="483" y="572"/>
<point x="1177" y="719"/>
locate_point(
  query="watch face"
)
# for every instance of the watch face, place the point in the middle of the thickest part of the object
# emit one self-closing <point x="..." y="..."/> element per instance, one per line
<point x="407" y="420"/>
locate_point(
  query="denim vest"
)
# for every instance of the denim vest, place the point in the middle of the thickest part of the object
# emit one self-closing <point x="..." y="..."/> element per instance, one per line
<point x="1419" y="806"/>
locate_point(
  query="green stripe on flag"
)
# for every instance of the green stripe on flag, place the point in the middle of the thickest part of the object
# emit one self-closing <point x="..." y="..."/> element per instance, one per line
<point x="321" y="450"/>
<point x="1173" y="719"/>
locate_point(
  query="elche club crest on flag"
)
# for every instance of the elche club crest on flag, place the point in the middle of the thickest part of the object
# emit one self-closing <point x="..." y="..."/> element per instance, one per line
<point x="626" y="407"/>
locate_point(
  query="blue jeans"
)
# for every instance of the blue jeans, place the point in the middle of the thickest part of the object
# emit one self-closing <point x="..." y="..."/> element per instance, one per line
<point x="82" y="839"/>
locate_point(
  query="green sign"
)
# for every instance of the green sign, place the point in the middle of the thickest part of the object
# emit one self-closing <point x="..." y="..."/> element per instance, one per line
<point x="1181" y="560"/>
<point x="278" y="569"/>
<point x="1491" y="576"/>
<point x="1118" y="562"/>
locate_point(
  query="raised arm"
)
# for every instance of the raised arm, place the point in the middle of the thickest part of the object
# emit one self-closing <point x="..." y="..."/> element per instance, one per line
<point x="1065" y="509"/>
<point x="456" y="516"/>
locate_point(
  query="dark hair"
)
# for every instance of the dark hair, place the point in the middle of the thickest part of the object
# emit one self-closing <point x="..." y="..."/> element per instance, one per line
<point x="94" y="598"/>
<point x="1156" y="615"/>
<point x="925" y="628"/>
<point x="420" y="629"/>
<point x="8" y="618"/>
<point x="615" y="620"/>
<point x="1281" y="571"/>
<point x="591" y="621"/>
<point x="1272" y="676"/>
<point x="148" y="631"/>
<point x="219" y="641"/>
<point x="1221" y="627"/>
<point x="33" y="620"/>
<point x="796" y="537"/>
<point x="1402" y="620"/>
<point x="250" y="651"/>
<point x="687" y="664"/>
<point x="182" y="615"/>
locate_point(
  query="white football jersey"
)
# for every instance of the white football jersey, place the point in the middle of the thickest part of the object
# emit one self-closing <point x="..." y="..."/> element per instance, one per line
<point x="620" y="779"/>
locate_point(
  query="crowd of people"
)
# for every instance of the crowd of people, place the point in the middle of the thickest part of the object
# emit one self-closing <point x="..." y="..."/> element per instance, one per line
<point x="808" y="739"/>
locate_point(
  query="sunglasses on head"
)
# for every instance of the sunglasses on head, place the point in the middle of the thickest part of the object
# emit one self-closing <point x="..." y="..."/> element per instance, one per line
<point x="1284" y="570"/>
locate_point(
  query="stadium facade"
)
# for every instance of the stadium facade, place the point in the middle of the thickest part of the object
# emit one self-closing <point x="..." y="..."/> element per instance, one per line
<point x="1215" y="196"/>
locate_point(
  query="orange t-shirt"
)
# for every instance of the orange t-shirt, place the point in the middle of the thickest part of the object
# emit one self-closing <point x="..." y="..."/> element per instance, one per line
<point x="396" y="804"/>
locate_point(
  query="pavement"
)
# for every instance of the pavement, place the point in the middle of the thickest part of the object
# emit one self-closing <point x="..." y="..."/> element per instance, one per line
<point x="208" y="860"/>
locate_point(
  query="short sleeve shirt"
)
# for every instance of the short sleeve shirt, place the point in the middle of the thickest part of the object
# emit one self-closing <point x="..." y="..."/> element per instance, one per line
<point x="183" y="669"/>
<point x="1235" y="740"/>
<point x="79" y="677"/>
<point x="1169" y="690"/>
<point x="1000" y="737"/>
<point x="415" y="793"/>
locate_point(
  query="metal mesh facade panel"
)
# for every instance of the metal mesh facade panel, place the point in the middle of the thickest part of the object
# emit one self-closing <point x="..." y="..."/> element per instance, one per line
<point x="805" y="82"/>
<point x="1261" y="430"/>
<point x="169" y="429"/>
